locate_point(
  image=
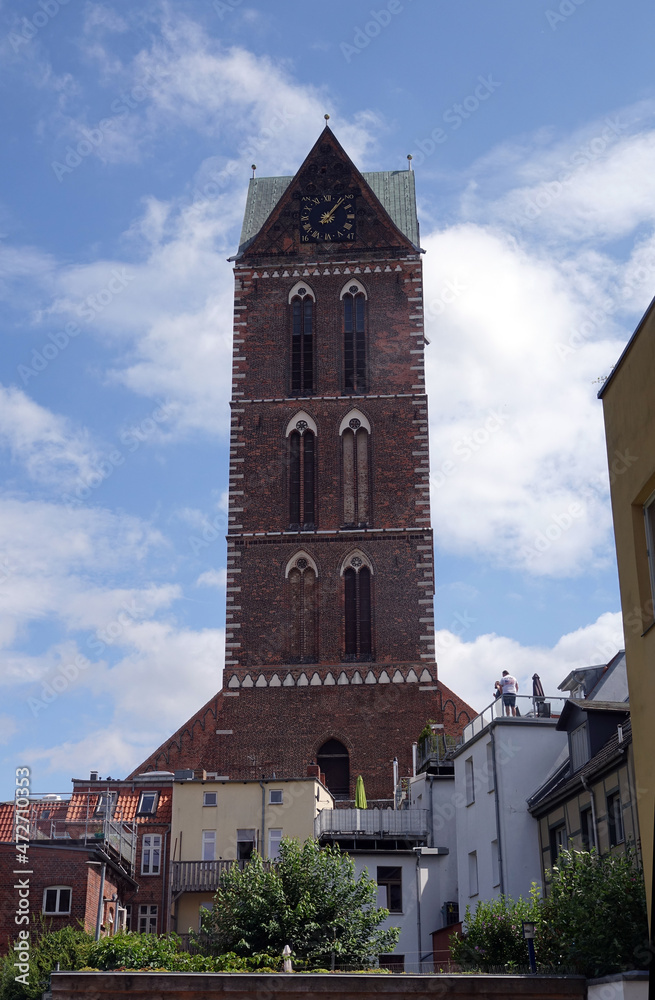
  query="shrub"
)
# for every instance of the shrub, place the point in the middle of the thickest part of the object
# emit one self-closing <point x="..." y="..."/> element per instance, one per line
<point x="493" y="938"/>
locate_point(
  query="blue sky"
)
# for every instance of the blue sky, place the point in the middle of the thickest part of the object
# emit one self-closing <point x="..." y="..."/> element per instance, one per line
<point x="128" y="133"/>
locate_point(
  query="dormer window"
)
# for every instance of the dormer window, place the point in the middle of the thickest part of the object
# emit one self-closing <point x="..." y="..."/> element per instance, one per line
<point x="106" y="804"/>
<point x="147" y="804"/>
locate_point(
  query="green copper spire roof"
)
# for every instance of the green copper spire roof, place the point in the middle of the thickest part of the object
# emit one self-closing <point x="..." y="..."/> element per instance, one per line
<point x="394" y="188"/>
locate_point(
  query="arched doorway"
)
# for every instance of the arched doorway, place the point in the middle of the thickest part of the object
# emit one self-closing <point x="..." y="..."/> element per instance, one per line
<point x="334" y="761"/>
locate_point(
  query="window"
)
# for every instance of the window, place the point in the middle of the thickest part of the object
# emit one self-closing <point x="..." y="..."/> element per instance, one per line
<point x="579" y="747"/>
<point x="334" y="761"/>
<point x="302" y="514"/>
<point x="357" y="609"/>
<point x="147" y="918"/>
<point x="57" y="900"/>
<point x="354" y="338"/>
<point x="106" y="804"/>
<point x="587" y="829"/>
<point x="274" y="838"/>
<point x="473" y="873"/>
<point x="246" y="840"/>
<point x="615" y="819"/>
<point x="495" y="863"/>
<point x="470" y="781"/>
<point x="394" y="963"/>
<point x="491" y="783"/>
<point x="209" y="799"/>
<point x="355" y="434"/>
<point x="558" y="841"/>
<point x="390" y="888"/>
<point x="209" y="845"/>
<point x="302" y="341"/>
<point x="128" y="916"/>
<point x="151" y="854"/>
<point x="303" y="633"/>
<point x="275" y="796"/>
<point x="649" y="515"/>
<point x="147" y="804"/>
<point x="204" y="908"/>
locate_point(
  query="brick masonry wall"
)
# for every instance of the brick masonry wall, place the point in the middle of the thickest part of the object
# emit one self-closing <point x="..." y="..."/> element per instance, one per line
<point x="261" y="730"/>
<point x="51" y="866"/>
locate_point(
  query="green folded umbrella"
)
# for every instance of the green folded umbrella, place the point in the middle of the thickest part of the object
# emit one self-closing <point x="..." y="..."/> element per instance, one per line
<point x="360" y="794"/>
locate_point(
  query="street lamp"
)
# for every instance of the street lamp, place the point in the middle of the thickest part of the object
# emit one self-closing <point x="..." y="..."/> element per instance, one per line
<point x="528" y="935"/>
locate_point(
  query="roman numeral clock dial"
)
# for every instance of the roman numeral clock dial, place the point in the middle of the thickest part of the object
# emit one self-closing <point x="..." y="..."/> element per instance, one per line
<point x="327" y="218"/>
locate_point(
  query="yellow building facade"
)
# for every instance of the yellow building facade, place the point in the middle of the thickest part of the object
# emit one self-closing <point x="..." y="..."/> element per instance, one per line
<point x="217" y="823"/>
<point x="628" y="397"/>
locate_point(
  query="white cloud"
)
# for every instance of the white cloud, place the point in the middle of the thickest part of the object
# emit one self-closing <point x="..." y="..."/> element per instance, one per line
<point x="470" y="668"/>
<point x="212" y="578"/>
<point x="47" y="445"/>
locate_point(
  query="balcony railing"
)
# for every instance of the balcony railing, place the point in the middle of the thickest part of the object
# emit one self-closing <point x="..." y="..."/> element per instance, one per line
<point x="528" y="707"/>
<point x="100" y="832"/>
<point x="199" y="876"/>
<point x="372" y="822"/>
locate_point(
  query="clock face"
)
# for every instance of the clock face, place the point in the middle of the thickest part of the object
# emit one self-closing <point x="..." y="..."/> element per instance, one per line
<point x="327" y="218"/>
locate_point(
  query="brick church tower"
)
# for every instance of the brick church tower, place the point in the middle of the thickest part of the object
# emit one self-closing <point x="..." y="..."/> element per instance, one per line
<point x="330" y="627"/>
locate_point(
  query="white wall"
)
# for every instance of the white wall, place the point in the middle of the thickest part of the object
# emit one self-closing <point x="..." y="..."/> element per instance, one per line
<point x="524" y="754"/>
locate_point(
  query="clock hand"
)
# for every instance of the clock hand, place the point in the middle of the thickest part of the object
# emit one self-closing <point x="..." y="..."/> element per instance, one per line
<point x="327" y="216"/>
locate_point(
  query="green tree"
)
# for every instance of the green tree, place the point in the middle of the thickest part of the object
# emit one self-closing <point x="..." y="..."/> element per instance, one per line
<point x="493" y="939"/>
<point x="593" y="920"/>
<point x="310" y="900"/>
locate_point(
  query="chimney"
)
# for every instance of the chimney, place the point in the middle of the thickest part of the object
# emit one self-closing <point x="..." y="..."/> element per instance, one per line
<point x="313" y="771"/>
<point x="93" y="776"/>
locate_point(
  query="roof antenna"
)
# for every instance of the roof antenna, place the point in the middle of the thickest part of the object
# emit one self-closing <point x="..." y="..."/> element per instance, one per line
<point x="253" y="167"/>
<point x="409" y="161"/>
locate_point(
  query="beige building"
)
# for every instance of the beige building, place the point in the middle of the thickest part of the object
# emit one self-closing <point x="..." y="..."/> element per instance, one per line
<point x="629" y="409"/>
<point x="218" y="822"/>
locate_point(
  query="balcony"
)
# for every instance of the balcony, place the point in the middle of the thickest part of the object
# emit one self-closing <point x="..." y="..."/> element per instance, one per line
<point x="530" y="708"/>
<point x="199" y="876"/>
<point x="114" y="836"/>
<point x="405" y="824"/>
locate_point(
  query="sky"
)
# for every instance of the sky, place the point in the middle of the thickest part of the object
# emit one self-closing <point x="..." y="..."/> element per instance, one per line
<point x="128" y="133"/>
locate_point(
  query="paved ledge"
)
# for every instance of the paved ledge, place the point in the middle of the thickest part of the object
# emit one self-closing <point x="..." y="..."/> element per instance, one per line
<point x="339" y="986"/>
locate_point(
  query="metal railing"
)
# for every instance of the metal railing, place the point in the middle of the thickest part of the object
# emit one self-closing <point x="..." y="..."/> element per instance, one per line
<point x="199" y="876"/>
<point x="120" y="837"/>
<point x="372" y="822"/>
<point x="435" y="749"/>
<point x="535" y="708"/>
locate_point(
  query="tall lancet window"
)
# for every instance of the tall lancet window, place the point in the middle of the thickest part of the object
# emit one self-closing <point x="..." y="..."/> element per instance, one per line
<point x="353" y="296"/>
<point x="358" y="607"/>
<point x="301" y="303"/>
<point x="301" y="575"/>
<point x="356" y="469"/>
<point x="301" y="435"/>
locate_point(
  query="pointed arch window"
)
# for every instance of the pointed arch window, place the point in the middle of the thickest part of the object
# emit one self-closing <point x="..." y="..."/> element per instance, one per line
<point x="357" y="608"/>
<point x="302" y="302"/>
<point x="301" y="434"/>
<point x="302" y="575"/>
<point x="356" y="469"/>
<point x="353" y="297"/>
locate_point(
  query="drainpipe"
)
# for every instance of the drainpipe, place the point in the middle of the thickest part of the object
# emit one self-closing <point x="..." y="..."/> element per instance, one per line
<point x="101" y="901"/>
<point x="501" y="866"/>
<point x="418" y="906"/>
<point x="414" y="758"/>
<point x="263" y="788"/>
<point x="592" y="799"/>
<point x="166" y="913"/>
<point x="431" y="813"/>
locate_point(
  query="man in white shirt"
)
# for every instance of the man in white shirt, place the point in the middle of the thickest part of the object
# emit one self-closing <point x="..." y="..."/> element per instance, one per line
<point x="509" y="687"/>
